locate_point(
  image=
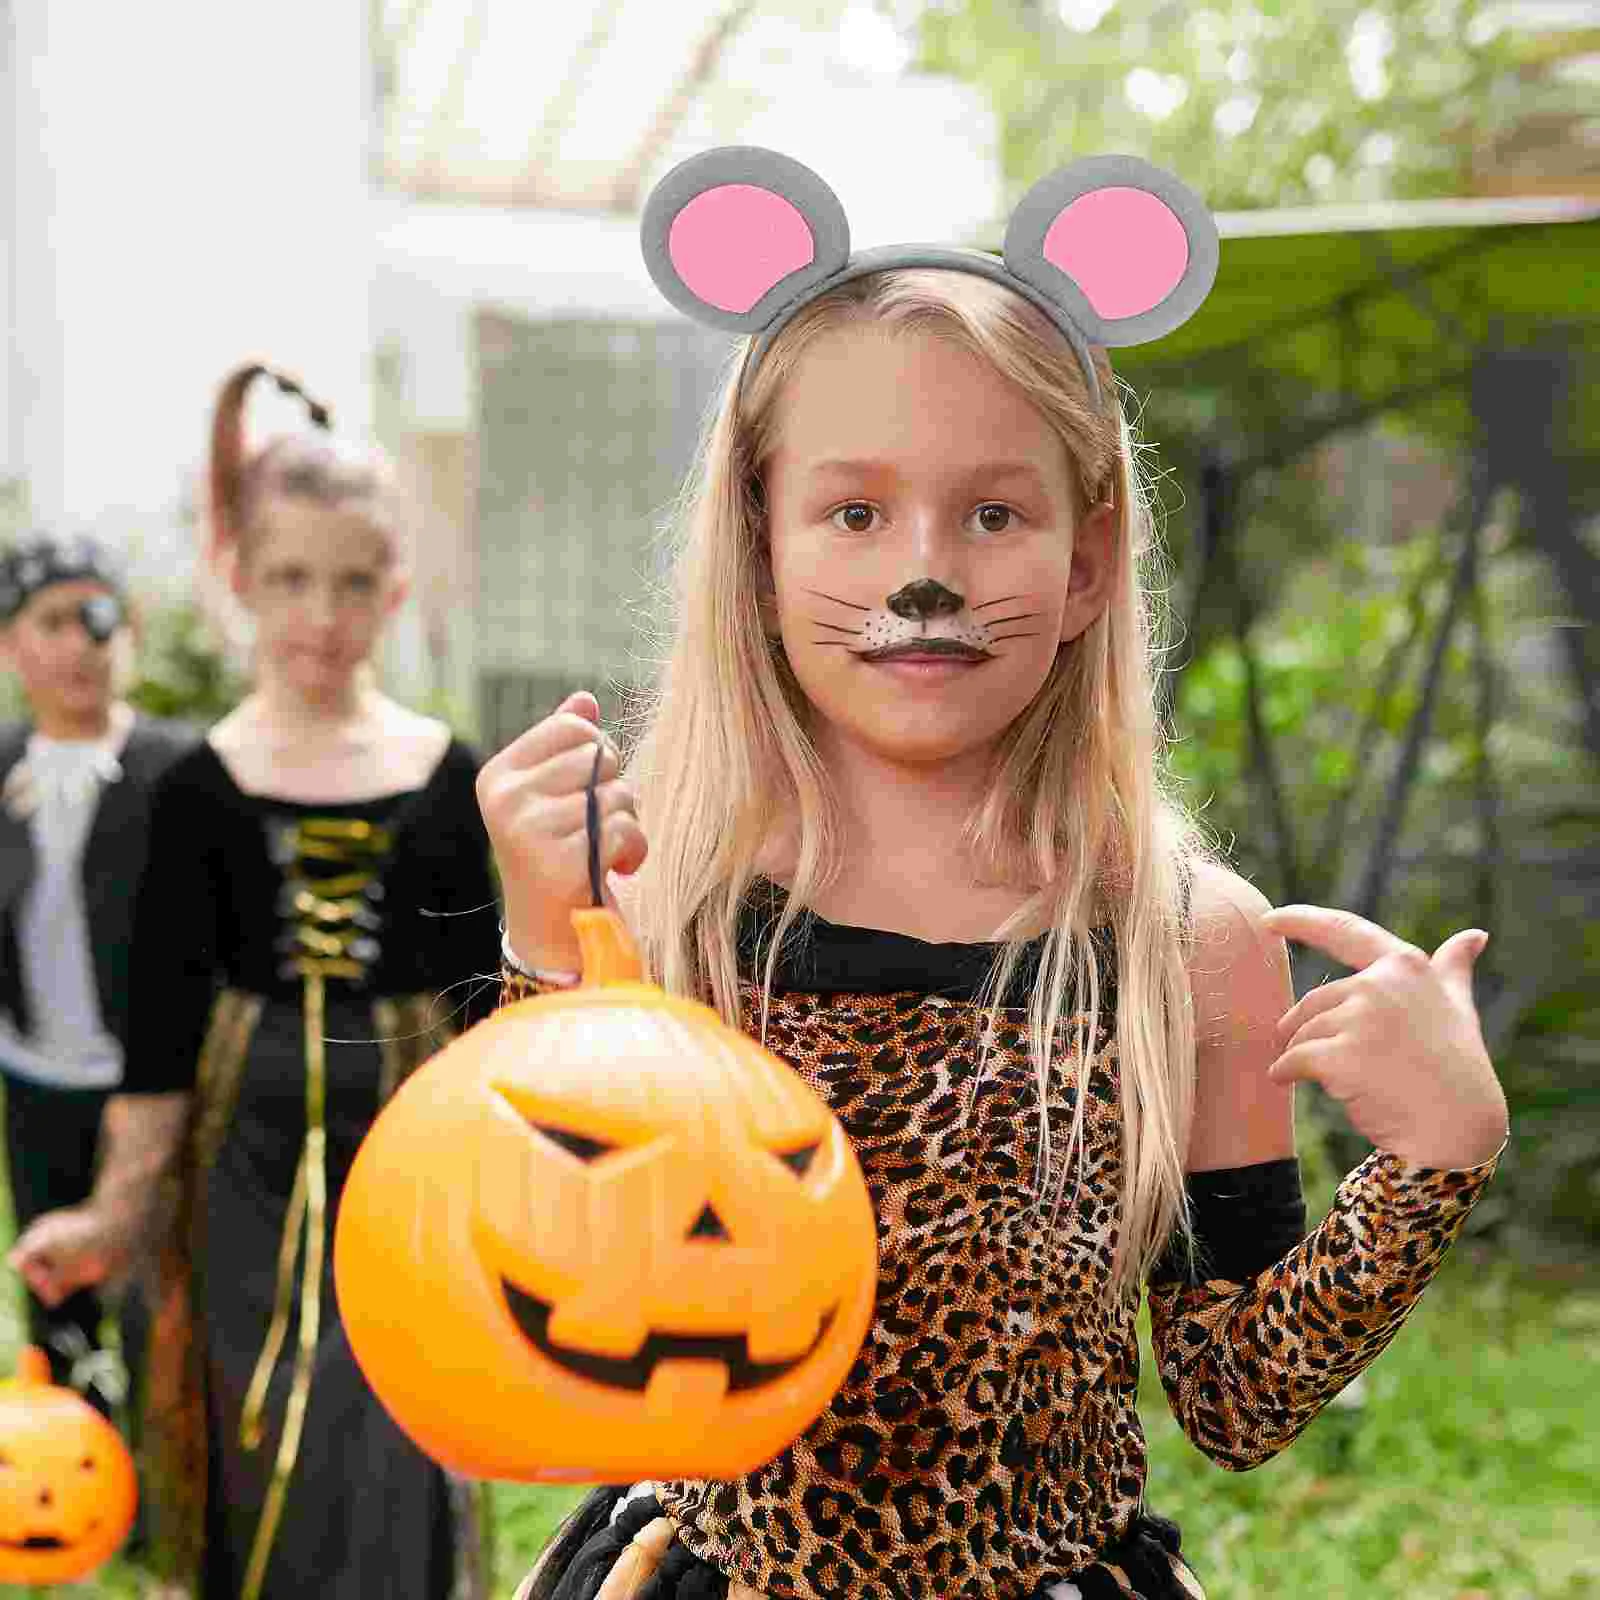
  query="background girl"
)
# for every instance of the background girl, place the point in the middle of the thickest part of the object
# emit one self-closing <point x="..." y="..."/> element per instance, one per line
<point x="319" y="911"/>
<point x="899" y="807"/>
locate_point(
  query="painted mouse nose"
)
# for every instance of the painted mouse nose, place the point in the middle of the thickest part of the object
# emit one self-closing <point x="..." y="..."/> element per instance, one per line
<point x="925" y="598"/>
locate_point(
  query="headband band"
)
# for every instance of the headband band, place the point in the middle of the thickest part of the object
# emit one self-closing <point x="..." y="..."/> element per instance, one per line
<point x="1114" y="251"/>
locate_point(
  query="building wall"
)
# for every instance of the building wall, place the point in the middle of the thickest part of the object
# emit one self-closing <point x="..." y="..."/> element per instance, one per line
<point x="183" y="186"/>
<point x="586" y="430"/>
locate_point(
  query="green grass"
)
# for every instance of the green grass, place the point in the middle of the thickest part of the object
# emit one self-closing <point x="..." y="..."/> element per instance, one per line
<point x="1469" y="1472"/>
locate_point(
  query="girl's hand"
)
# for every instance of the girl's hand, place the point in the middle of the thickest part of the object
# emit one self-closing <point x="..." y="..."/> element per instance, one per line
<point x="1397" y="1042"/>
<point x="532" y="796"/>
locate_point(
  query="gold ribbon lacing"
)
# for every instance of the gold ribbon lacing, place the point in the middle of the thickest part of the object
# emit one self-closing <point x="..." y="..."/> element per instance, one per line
<point x="307" y="1209"/>
<point x="306" y="1218"/>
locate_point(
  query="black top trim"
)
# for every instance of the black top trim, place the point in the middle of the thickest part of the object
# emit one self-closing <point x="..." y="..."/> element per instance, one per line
<point x="822" y="957"/>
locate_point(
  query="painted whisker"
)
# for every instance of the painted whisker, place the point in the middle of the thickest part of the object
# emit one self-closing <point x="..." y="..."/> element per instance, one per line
<point x="834" y="599"/>
<point x="1002" y="601"/>
<point x="1001" y="638"/>
<point x="1021" y="616"/>
<point x="835" y="627"/>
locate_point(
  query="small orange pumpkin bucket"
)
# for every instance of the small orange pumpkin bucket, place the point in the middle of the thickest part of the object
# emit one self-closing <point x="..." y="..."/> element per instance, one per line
<point x="67" y="1485"/>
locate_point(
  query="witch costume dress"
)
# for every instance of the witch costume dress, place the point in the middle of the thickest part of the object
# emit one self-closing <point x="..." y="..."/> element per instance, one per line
<point x="293" y="964"/>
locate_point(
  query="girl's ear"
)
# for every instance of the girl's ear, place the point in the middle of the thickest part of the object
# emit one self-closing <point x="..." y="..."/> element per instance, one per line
<point x="399" y="593"/>
<point x="1094" y="566"/>
<point x="235" y="576"/>
<point x="733" y="235"/>
<point x="1126" y="249"/>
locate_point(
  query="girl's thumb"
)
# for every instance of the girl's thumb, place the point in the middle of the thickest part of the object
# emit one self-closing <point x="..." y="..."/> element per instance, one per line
<point x="1456" y="957"/>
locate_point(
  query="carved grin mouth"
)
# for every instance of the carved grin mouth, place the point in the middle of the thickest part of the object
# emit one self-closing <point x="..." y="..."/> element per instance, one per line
<point x="34" y="1541"/>
<point x="634" y="1372"/>
<point x="957" y="648"/>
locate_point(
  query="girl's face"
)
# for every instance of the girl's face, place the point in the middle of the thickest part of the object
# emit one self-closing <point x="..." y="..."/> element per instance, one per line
<point x="925" y="562"/>
<point x="320" y="583"/>
<point x="66" y="673"/>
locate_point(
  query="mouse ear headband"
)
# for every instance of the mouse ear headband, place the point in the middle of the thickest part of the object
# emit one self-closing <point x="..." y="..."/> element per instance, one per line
<point x="1113" y="250"/>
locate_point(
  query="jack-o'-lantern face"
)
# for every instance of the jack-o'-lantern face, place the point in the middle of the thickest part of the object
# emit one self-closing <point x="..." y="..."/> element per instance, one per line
<point x="67" y="1490"/>
<point x="662" y="1254"/>
<point x="601" y="1236"/>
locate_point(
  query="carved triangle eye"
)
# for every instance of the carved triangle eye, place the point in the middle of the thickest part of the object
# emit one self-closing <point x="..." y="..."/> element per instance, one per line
<point x="708" y="1225"/>
<point x="576" y="1144"/>
<point x="799" y="1161"/>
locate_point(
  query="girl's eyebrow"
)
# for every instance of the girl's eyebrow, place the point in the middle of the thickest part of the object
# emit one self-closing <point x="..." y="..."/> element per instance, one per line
<point x="986" y="472"/>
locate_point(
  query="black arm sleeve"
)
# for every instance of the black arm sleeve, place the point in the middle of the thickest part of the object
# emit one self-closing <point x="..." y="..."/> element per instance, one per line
<point x="177" y="948"/>
<point x="1244" y="1219"/>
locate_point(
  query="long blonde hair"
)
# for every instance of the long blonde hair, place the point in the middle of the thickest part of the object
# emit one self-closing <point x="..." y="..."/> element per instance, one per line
<point x="1078" y="807"/>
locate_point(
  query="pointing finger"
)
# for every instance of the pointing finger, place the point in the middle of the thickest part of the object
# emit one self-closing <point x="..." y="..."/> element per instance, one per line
<point x="1340" y="934"/>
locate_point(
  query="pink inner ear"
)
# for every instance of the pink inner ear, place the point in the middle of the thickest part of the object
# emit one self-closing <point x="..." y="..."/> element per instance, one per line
<point x="1123" y="247"/>
<point x="732" y="243"/>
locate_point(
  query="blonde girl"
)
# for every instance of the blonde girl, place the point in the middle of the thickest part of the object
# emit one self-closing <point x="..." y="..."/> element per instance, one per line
<point x="899" y="808"/>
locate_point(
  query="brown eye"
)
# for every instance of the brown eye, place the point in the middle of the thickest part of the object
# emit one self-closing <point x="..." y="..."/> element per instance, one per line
<point x="855" y="518"/>
<point x="994" y="518"/>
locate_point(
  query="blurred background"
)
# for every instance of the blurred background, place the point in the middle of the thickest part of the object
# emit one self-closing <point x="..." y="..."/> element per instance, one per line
<point x="1378" y="460"/>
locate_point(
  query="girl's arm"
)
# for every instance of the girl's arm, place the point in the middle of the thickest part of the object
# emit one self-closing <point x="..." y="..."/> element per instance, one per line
<point x="1270" y="1327"/>
<point x="1246" y="1366"/>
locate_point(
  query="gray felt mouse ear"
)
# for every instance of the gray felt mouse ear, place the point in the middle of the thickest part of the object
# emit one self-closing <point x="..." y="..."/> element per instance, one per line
<point x="1128" y="251"/>
<point x="733" y="235"/>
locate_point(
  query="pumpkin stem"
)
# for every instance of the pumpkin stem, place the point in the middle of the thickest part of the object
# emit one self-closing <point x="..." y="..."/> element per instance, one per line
<point x="607" y="947"/>
<point x="33" y="1365"/>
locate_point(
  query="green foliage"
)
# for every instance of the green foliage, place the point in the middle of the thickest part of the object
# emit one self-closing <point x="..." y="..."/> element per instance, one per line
<point x="1338" y="659"/>
<point x="183" y="674"/>
<point x="1460" y="1470"/>
<point x="1290" y="103"/>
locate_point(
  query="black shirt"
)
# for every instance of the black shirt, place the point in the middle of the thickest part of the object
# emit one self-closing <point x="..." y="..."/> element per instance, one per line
<point x="211" y="910"/>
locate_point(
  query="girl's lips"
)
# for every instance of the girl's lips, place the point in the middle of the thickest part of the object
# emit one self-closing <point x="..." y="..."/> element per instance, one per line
<point x="925" y="668"/>
<point x="926" y="650"/>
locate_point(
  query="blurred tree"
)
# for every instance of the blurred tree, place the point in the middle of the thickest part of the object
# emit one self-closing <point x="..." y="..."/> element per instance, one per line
<point x="183" y="673"/>
<point x="1253" y="102"/>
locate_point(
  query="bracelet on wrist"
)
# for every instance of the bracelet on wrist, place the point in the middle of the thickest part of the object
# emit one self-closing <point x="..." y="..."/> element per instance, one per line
<point x="543" y="975"/>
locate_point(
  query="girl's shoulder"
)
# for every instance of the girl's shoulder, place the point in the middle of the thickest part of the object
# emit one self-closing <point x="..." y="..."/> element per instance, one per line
<point x="232" y="731"/>
<point x="1230" y="955"/>
<point x="1223" y="904"/>
<point x="1240" y="984"/>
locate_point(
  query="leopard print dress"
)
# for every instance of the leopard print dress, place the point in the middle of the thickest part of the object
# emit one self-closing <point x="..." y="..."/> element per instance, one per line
<point x="986" y="1442"/>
